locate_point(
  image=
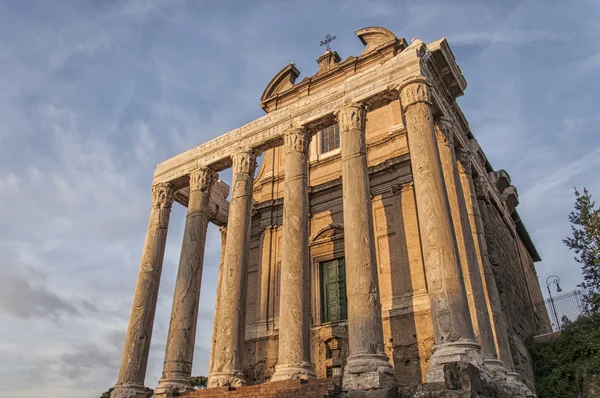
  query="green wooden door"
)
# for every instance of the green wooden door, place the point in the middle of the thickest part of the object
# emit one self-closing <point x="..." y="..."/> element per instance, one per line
<point x="333" y="291"/>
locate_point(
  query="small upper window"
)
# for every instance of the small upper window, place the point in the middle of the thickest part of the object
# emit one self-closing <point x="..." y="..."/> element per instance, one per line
<point x="330" y="138"/>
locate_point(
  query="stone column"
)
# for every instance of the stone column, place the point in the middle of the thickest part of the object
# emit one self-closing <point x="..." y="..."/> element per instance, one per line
<point x="464" y="239"/>
<point x="500" y="333"/>
<point x="179" y="354"/>
<point x="130" y="383"/>
<point x="230" y="334"/>
<point x="294" y="310"/>
<point x="453" y="331"/>
<point x="367" y="366"/>
<point x="217" y="314"/>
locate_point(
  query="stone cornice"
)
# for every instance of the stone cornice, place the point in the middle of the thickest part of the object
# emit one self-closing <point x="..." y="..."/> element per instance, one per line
<point x="267" y="131"/>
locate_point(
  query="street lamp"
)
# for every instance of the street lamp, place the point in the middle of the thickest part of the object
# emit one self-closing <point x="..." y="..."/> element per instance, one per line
<point x="555" y="280"/>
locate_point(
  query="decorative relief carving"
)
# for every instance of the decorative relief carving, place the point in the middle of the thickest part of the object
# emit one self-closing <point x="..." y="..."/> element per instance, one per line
<point x="297" y="140"/>
<point x="244" y="162"/>
<point x="414" y="92"/>
<point x="163" y="195"/>
<point x="351" y="117"/>
<point x="481" y="188"/>
<point x="202" y="179"/>
<point x="443" y="131"/>
<point x="463" y="158"/>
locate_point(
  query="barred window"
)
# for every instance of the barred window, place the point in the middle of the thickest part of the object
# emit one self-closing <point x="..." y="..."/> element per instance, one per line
<point x="330" y="138"/>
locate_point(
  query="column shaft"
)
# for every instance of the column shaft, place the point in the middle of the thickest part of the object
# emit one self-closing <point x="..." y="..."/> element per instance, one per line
<point x="230" y="334"/>
<point x="179" y="354"/>
<point x="464" y="238"/>
<point x="453" y="332"/>
<point x="217" y="314"/>
<point x="139" y="332"/>
<point x="367" y="366"/>
<point x="503" y="350"/>
<point x="294" y="314"/>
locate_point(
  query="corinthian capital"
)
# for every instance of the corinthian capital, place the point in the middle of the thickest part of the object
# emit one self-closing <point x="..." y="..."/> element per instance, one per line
<point x="481" y="188"/>
<point x="163" y="195"/>
<point x="463" y="158"/>
<point x="244" y="162"/>
<point x="443" y="131"/>
<point x="296" y="140"/>
<point x="202" y="179"/>
<point x="415" y="91"/>
<point x="351" y="117"/>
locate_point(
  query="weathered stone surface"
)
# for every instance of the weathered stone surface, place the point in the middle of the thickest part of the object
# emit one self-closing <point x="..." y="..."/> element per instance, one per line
<point x="139" y="332"/>
<point x="179" y="354"/>
<point x="449" y="307"/>
<point x="230" y="334"/>
<point x="368" y="366"/>
<point x="464" y="238"/>
<point x="294" y="329"/>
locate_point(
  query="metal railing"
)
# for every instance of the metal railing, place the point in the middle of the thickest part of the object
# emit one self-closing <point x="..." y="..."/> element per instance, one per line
<point x="568" y="306"/>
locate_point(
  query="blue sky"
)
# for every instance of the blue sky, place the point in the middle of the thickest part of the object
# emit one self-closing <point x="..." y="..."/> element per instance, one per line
<point x="93" y="94"/>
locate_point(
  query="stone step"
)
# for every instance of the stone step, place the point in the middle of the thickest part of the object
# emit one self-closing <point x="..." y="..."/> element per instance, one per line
<point x="319" y="388"/>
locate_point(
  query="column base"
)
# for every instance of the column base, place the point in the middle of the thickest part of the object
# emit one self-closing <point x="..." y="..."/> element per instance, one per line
<point x="133" y="390"/>
<point x="172" y="387"/>
<point x="368" y="372"/>
<point x="303" y="371"/>
<point x="234" y="378"/>
<point x="463" y="351"/>
<point x="518" y="388"/>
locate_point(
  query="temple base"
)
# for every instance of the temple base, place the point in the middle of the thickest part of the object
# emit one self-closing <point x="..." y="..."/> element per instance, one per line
<point x="302" y="371"/>
<point x="133" y="390"/>
<point x="464" y="351"/>
<point x="234" y="378"/>
<point x="368" y="372"/>
<point x="172" y="387"/>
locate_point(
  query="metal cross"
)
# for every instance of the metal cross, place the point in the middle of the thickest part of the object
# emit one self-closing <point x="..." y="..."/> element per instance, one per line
<point x="328" y="39"/>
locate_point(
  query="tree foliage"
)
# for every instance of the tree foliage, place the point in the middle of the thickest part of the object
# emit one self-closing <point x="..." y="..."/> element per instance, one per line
<point x="199" y="381"/>
<point x="585" y="242"/>
<point x="570" y="365"/>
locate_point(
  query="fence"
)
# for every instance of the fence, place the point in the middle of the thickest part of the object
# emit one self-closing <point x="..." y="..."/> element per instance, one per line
<point x="568" y="305"/>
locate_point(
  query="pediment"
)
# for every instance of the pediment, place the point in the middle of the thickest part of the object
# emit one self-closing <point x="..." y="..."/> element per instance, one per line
<point x="284" y="80"/>
<point x="374" y="37"/>
<point x="331" y="231"/>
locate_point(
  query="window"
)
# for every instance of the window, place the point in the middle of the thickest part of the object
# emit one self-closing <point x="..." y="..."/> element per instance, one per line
<point x="333" y="291"/>
<point x="330" y="138"/>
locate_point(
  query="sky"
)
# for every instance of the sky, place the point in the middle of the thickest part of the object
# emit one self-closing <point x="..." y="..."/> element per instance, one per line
<point x="94" y="94"/>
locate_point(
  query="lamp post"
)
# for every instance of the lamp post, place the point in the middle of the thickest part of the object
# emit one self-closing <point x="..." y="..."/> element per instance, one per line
<point x="555" y="280"/>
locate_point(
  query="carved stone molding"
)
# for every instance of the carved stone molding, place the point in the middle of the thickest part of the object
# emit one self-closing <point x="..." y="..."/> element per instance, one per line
<point x="202" y="179"/>
<point x="481" y="188"/>
<point x="415" y="91"/>
<point x="351" y="117"/>
<point x="244" y="162"/>
<point x="463" y="158"/>
<point x="443" y="131"/>
<point x="297" y="140"/>
<point x="163" y="195"/>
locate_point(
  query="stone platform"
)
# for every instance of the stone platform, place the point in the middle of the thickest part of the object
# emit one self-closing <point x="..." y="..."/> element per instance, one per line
<point x="460" y="381"/>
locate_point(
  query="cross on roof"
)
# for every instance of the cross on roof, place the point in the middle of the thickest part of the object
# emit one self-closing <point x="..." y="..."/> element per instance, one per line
<point x="327" y="41"/>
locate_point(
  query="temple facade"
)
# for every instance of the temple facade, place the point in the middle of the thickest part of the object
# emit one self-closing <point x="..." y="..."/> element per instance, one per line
<point x="375" y="242"/>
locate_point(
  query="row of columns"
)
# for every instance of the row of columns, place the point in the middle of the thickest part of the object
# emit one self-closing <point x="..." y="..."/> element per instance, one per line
<point x="452" y="245"/>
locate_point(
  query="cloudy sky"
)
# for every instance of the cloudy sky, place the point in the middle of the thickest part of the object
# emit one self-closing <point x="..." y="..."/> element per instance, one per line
<point x="93" y="94"/>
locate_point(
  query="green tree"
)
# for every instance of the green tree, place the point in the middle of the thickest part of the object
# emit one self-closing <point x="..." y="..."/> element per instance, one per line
<point x="199" y="381"/>
<point x="585" y="242"/>
<point x="570" y="365"/>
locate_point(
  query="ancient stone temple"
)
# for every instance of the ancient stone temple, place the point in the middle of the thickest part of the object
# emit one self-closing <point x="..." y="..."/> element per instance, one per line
<point x="374" y="249"/>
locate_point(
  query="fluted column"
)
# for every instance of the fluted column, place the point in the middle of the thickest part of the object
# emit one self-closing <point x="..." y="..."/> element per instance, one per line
<point x="464" y="238"/>
<point x="294" y="310"/>
<point x="495" y="308"/>
<point x="217" y="314"/>
<point x="453" y="332"/>
<point x="230" y="334"/>
<point x="367" y="366"/>
<point x="179" y="354"/>
<point x="130" y="383"/>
